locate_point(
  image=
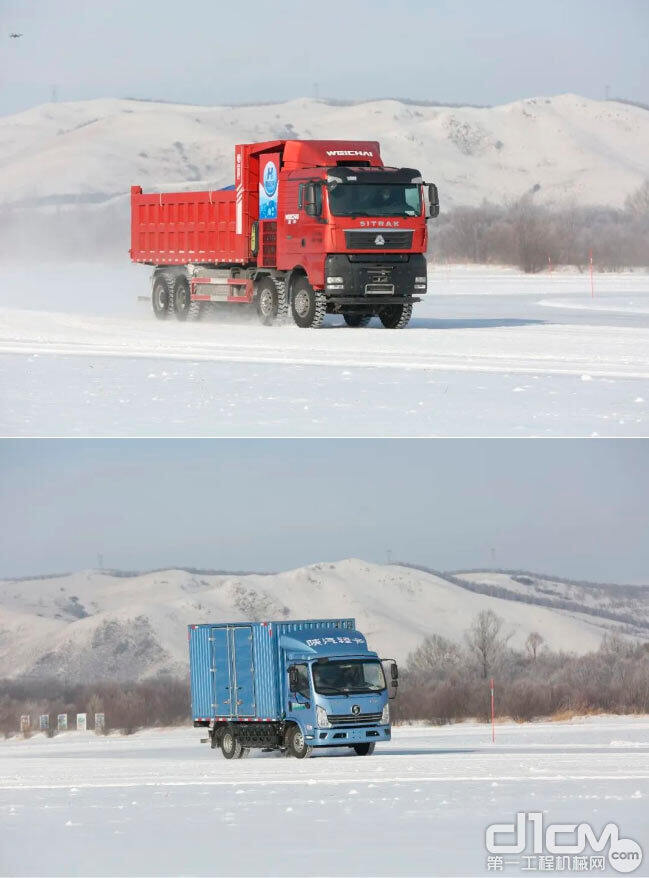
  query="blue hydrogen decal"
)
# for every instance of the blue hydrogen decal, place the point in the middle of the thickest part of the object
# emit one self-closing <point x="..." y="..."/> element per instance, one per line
<point x="270" y="179"/>
<point x="268" y="186"/>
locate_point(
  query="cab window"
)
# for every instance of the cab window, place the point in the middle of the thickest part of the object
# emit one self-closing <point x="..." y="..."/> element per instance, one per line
<point x="303" y="684"/>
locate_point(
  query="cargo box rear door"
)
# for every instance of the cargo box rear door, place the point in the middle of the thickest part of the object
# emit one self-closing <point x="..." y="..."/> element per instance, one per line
<point x="243" y="672"/>
<point x="221" y="673"/>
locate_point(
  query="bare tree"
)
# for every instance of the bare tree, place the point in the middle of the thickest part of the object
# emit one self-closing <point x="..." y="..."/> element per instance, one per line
<point x="486" y="642"/>
<point x="637" y="203"/>
<point x="533" y="643"/>
<point x="435" y="655"/>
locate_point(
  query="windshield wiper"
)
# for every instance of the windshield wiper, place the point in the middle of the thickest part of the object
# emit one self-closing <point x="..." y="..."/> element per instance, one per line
<point x="332" y="690"/>
<point x="365" y="690"/>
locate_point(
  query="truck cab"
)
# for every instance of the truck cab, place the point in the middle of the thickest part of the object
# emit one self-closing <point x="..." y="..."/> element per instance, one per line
<point x="357" y="234"/>
<point x="337" y="693"/>
<point x="292" y="686"/>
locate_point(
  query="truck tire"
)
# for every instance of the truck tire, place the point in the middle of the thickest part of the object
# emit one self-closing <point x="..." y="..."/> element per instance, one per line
<point x="161" y="297"/>
<point x="230" y="746"/>
<point x="308" y="306"/>
<point x="272" y="305"/>
<point x="297" y="745"/>
<point x="354" y="319"/>
<point x="364" y="749"/>
<point x="183" y="306"/>
<point x="396" y="316"/>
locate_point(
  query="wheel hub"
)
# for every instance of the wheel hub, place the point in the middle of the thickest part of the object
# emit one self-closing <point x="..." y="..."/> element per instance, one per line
<point x="302" y="303"/>
<point x="266" y="303"/>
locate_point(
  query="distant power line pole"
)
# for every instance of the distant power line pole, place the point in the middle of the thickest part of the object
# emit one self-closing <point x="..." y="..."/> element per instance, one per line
<point x="607" y="91"/>
<point x="55" y="94"/>
<point x="493" y="557"/>
<point x="316" y="90"/>
<point x="388" y="552"/>
<point x="100" y="561"/>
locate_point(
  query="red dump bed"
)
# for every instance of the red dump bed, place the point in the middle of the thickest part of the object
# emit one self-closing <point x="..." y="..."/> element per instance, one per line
<point x="180" y="227"/>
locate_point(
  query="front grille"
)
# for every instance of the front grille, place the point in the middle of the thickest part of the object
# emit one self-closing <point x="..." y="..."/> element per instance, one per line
<point x="350" y="719"/>
<point x="378" y="239"/>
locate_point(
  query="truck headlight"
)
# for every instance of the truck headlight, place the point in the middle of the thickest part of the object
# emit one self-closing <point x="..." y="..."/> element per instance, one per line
<point x="420" y="280"/>
<point x="335" y="280"/>
<point x="321" y="718"/>
<point x="385" y="716"/>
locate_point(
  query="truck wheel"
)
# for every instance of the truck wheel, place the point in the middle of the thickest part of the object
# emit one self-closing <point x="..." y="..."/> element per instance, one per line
<point x="396" y="316"/>
<point x="364" y="749"/>
<point x="183" y="306"/>
<point x="272" y="306"/>
<point x="230" y="747"/>
<point x="308" y="306"/>
<point x="353" y="318"/>
<point x="161" y="297"/>
<point x="297" y="745"/>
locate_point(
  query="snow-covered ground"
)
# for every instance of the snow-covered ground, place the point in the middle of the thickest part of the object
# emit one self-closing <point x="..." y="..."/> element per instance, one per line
<point x="489" y="352"/>
<point x="161" y="803"/>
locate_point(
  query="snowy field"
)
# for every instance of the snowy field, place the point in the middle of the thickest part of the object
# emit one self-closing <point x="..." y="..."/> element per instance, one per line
<point x="488" y="353"/>
<point x="161" y="803"/>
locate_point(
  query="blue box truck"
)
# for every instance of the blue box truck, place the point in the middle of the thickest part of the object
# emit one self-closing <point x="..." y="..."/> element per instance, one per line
<point x="290" y="686"/>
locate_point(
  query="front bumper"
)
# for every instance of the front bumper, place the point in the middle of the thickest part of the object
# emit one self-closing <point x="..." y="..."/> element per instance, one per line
<point x="365" y="279"/>
<point x="341" y="737"/>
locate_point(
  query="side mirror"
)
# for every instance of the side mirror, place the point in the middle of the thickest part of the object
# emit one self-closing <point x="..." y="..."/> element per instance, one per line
<point x="292" y="679"/>
<point x="433" y="201"/>
<point x="391" y="672"/>
<point x="311" y="205"/>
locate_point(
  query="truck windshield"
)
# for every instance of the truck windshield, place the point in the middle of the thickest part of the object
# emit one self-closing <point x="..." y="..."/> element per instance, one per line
<point x="371" y="199"/>
<point x="339" y="677"/>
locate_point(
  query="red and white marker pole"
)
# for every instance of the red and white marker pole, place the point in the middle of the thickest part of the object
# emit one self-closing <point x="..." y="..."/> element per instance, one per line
<point x="493" y="715"/>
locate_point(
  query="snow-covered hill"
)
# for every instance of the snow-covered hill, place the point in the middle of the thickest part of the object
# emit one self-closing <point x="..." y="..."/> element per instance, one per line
<point x="95" y="624"/>
<point x="90" y="152"/>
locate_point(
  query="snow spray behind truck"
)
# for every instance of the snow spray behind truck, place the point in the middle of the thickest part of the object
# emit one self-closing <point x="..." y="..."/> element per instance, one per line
<point x="289" y="686"/>
<point x="310" y="226"/>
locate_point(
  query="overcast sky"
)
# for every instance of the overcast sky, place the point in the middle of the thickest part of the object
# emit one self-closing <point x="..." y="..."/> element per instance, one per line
<point x="212" y="52"/>
<point x="575" y="508"/>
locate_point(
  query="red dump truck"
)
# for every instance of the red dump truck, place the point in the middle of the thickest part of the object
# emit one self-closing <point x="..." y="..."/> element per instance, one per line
<point x="310" y="227"/>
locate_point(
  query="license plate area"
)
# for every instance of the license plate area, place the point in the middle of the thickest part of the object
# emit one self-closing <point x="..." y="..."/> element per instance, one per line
<point x="379" y="289"/>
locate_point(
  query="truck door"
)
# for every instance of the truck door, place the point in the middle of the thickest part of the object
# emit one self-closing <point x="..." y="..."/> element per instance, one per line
<point x="243" y="672"/>
<point x="220" y="673"/>
<point x="311" y="232"/>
